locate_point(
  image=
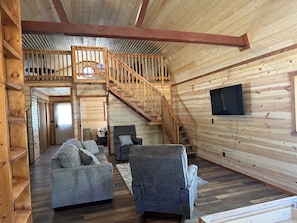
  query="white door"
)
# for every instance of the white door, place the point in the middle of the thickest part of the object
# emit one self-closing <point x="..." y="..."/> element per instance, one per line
<point x="63" y="121"/>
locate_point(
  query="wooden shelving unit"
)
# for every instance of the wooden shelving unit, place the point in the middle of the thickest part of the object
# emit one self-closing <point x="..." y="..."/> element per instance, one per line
<point x="15" y="195"/>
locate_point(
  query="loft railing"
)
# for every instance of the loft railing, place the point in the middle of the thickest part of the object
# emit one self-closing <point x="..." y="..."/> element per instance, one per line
<point x="135" y="85"/>
<point x="47" y="65"/>
<point x="170" y="122"/>
<point x="150" y="67"/>
<point x="89" y="64"/>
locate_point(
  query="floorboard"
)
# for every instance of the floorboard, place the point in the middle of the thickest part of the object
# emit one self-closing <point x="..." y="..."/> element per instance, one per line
<point x="225" y="190"/>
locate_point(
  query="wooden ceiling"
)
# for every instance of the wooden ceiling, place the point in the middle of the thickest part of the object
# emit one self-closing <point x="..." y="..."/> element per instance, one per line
<point x="159" y="24"/>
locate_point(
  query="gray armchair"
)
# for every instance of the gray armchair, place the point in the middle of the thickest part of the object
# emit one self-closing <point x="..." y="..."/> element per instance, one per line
<point x="162" y="181"/>
<point x="124" y="138"/>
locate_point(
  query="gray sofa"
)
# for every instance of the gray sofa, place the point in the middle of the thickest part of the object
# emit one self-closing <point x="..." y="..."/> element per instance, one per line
<point x="80" y="173"/>
<point x="162" y="180"/>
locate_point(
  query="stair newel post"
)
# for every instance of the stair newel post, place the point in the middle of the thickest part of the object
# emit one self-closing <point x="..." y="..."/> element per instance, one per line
<point x="163" y="120"/>
<point x="107" y="59"/>
<point x="162" y="71"/>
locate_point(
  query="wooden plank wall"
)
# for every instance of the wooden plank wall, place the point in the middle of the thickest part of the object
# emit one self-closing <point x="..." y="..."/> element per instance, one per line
<point x="93" y="114"/>
<point x="33" y="123"/>
<point x="80" y="92"/>
<point x="260" y="143"/>
<point x="120" y="114"/>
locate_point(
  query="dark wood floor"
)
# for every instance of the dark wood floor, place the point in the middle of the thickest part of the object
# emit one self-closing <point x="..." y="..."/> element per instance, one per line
<point x="226" y="190"/>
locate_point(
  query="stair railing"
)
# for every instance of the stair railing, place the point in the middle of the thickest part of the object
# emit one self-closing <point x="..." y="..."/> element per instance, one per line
<point x="170" y="122"/>
<point x="135" y="85"/>
<point x="129" y="81"/>
<point x="152" y="67"/>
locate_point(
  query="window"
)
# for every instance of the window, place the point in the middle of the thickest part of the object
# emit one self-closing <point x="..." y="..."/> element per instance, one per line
<point x="88" y="71"/>
<point x="63" y="111"/>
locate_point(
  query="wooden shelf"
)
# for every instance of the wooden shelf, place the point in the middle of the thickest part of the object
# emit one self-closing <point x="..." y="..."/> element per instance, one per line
<point x="22" y="216"/>
<point x="17" y="153"/>
<point x="15" y="189"/>
<point x="10" y="52"/>
<point x="13" y="86"/>
<point x="18" y="186"/>
<point x="14" y="120"/>
<point x="7" y="17"/>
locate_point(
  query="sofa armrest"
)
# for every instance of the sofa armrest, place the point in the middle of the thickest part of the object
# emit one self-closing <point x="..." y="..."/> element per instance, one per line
<point x="137" y="141"/>
<point x="101" y="149"/>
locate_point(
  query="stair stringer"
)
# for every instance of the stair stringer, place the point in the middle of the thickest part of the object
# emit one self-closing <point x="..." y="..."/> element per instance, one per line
<point x="124" y="92"/>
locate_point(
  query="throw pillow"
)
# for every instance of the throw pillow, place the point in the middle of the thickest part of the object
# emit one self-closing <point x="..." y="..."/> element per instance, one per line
<point x="87" y="157"/>
<point x="91" y="146"/>
<point x="69" y="156"/>
<point x="75" y="142"/>
<point x="125" y="140"/>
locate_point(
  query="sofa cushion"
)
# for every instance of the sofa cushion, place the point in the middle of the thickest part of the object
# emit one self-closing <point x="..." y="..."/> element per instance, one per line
<point x="75" y="142"/>
<point x="91" y="146"/>
<point x="125" y="140"/>
<point x="69" y="156"/>
<point x="87" y="157"/>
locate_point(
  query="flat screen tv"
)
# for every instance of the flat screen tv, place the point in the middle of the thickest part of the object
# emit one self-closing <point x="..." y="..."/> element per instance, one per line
<point x="227" y="100"/>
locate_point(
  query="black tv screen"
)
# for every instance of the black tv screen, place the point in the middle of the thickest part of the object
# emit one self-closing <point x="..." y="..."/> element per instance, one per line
<point x="227" y="100"/>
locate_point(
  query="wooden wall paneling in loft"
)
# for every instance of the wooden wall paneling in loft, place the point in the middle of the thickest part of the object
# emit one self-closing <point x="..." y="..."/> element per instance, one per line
<point x="260" y="143"/>
<point x="272" y="33"/>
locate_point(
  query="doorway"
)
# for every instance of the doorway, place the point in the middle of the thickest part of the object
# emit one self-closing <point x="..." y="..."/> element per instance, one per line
<point x="63" y="121"/>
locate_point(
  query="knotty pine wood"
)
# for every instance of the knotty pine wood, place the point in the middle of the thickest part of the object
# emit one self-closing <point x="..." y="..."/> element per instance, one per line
<point x="120" y="114"/>
<point x="93" y="113"/>
<point x="259" y="144"/>
<point x="226" y="190"/>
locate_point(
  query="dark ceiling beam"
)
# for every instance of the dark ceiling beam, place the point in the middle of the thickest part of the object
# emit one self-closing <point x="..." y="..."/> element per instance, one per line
<point x="59" y="7"/>
<point x="142" y="13"/>
<point x="119" y="32"/>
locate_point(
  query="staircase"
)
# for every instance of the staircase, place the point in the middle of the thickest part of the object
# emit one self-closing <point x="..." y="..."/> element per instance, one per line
<point x="139" y="94"/>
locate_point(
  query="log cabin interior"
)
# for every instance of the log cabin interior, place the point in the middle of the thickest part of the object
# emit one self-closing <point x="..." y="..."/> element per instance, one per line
<point x="153" y="64"/>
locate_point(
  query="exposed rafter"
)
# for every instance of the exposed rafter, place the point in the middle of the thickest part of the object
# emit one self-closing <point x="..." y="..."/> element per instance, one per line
<point x="132" y="33"/>
<point x="60" y="10"/>
<point x="142" y="12"/>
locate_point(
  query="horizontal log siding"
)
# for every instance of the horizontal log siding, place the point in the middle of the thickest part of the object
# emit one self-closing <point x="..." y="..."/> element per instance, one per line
<point x="258" y="144"/>
<point x="120" y="114"/>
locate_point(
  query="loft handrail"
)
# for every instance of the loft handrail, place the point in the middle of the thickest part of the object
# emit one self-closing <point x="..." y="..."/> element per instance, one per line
<point x="150" y="66"/>
<point x="131" y="82"/>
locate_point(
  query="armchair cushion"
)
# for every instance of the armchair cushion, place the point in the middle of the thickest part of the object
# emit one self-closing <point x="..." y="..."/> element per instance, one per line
<point x="125" y="140"/>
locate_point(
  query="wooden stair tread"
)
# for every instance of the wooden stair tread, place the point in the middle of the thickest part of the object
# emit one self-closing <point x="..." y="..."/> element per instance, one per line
<point x="191" y="152"/>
